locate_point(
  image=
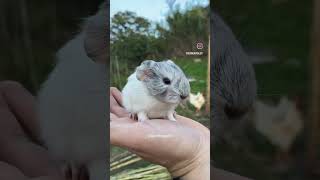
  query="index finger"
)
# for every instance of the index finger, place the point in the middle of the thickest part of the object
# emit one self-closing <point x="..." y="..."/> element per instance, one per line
<point x="22" y="105"/>
<point x="16" y="146"/>
<point x="115" y="103"/>
<point x="116" y="94"/>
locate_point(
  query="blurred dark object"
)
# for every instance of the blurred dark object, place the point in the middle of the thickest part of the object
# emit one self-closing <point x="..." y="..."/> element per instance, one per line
<point x="313" y="163"/>
<point x="233" y="83"/>
<point x="276" y="34"/>
<point x="31" y="32"/>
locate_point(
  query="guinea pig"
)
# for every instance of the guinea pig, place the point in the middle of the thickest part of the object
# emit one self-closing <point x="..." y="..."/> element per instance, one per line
<point x="72" y="103"/>
<point x="233" y="83"/>
<point x="155" y="89"/>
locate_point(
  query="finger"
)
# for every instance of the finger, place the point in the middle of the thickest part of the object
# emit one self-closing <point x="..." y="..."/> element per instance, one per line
<point x="31" y="159"/>
<point x="116" y="109"/>
<point x="116" y="94"/>
<point x="16" y="147"/>
<point x="9" y="125"/>
<point x="113" y="117"/>
<point x="10" y="172"/>
<point x="22" y="104"/>
<point x="113" y="101"/>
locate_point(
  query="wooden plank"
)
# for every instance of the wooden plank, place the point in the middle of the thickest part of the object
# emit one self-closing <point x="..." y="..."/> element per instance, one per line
<point x="314" y="123"/>
<point x="208" y="80"/>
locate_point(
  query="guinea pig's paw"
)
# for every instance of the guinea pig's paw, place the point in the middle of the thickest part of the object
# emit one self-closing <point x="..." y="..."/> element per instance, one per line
<point x="71" y="171"/>
<point x="133" y="116"/>
<point x="172" y="116"/>
<point x="142" y="116"/>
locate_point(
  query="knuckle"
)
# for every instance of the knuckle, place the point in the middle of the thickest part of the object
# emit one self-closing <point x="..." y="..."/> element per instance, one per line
<point x="113" y="89"/>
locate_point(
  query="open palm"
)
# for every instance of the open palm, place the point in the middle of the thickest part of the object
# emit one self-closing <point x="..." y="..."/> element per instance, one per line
<point x="176" y="145"/>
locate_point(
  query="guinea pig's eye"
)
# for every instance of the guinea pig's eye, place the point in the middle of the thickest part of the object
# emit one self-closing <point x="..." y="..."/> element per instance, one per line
<point x="234" y="113"/>
<point x="166" y="80"/>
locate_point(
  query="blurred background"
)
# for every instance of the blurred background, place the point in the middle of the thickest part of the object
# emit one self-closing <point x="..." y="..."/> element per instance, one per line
<point x="32" y="31"/>
<point x="280" y="140"/>
<point x="159" y="30"/>
<point x="280" y="137"/>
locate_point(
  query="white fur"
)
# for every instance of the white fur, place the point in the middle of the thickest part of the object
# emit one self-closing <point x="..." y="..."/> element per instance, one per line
<point x="72" y="109"/>
<point x="137" y="100"/>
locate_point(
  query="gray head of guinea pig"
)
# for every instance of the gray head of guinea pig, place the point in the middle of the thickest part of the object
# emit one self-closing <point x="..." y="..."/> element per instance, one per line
<point x="233" y="82"/>
<point x="164" y="80"/>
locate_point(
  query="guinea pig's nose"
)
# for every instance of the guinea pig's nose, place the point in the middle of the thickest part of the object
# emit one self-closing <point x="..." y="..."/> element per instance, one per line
<point x="183" y="97"/>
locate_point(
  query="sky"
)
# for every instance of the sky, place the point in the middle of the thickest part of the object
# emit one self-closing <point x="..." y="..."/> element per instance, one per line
<point x="154" y="10"/>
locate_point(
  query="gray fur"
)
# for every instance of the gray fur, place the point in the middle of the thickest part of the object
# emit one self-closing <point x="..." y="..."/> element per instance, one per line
<point x="233" y="83"/>
<point x="152" y="74"/>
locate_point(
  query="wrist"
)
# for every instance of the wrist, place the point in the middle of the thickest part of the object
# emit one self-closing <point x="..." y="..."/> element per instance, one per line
<point x="197" y="167"/>
<point x="200" y="172"/>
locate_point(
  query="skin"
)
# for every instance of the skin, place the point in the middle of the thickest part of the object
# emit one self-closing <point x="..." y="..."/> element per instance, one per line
<point x="183" y="146"/>
<point x="23" y="158"/>
<point x="21" y="155"/>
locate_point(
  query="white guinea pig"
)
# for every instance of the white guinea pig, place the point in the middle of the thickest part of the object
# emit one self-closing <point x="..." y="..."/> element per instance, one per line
<point x="72" y="103"/>
<point x="154" y="90"/>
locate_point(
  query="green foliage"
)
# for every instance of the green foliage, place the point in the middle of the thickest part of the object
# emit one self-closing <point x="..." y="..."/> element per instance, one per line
<point x="196" y="71"/>
<point x="134" y="38"/>
<point x="126" y="24"/>
<point x="185" y="29"/>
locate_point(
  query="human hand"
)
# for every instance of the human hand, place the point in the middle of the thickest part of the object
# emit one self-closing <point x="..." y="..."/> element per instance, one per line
<point x="183" y="147"/>
<point x="21" y="155"/>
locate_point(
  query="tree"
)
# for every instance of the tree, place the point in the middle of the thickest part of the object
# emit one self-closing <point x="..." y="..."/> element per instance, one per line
<point x="134" y="38"/>
<point x="131" y="37"/>
<point x="126" y="24"/>
<point x="185" y="29"/>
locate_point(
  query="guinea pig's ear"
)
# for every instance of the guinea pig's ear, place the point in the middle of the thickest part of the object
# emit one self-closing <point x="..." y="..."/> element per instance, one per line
<point x="185" y="85"/>
<point x="170" y="61"/>
<point x="145" y="71"/>
<point x="96" y="35"/>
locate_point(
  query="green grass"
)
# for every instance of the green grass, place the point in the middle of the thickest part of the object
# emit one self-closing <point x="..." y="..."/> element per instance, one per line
<point x="195" y="70"/>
